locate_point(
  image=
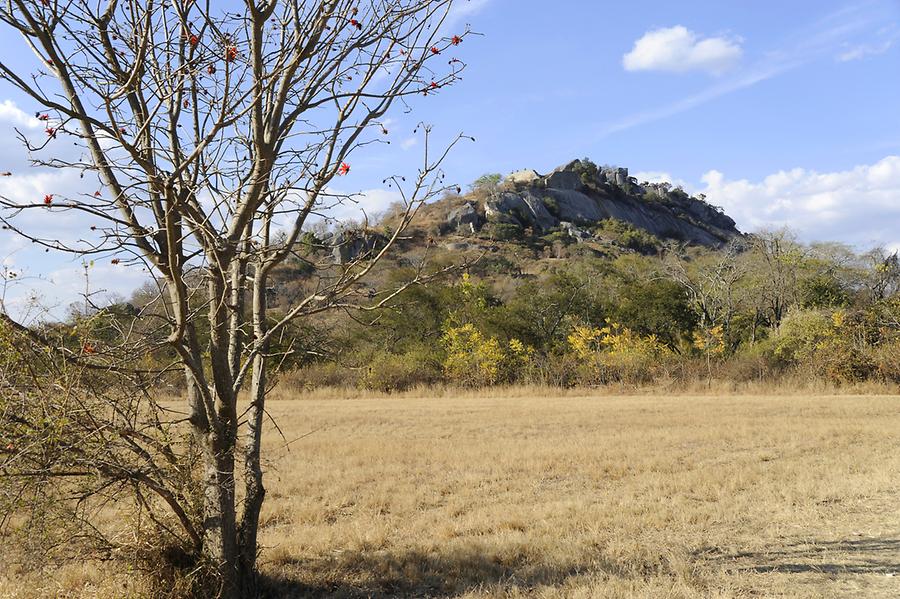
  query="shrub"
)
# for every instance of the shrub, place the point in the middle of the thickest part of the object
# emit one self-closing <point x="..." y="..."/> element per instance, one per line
<point x="830" y="345"/>
<point x="629" y="236"/>
<point x="318" y="375"/>
<point x="502" y="231"/>
<point x="552" y="205"/>
<point x="886" y="361"/>
<point x="615" y="353"/>
<point x="474" y="360"/>
<point x="389" y="372"/>
<point x="800" y="332"/>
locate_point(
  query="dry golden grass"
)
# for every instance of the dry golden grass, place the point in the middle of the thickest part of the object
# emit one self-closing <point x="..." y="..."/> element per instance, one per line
<point x="575" y="496"/>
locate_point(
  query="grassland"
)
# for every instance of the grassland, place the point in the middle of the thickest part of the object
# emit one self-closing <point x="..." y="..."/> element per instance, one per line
<point x="576" y="496"/>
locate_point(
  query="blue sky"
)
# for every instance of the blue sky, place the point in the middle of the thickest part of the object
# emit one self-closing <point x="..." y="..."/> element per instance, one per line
<point x="784" y="113"/>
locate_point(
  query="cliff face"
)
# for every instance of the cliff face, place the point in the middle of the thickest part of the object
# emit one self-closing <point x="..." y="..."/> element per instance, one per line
<point x="580" y="195"/>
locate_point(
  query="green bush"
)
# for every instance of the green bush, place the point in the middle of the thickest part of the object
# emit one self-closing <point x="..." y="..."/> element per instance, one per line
<point x="629" y="236"/>
<point x="502" y="231"/>
<point x="389" y="372"/>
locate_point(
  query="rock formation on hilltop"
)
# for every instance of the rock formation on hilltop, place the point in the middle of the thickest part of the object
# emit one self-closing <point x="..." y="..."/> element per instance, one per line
<point x="580" y="196"/>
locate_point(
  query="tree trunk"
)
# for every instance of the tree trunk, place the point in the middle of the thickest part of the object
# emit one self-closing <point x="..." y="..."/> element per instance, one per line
<point x="219" y="525"/>
<point x="253" y="476"/>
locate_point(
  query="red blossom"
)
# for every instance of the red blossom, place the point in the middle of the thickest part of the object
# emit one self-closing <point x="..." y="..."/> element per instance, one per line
<point x="114" y="261"/>
<point x="356" y="24"/>
<point x="44" y="117"/>
<point x="48" y="199"/>
<point x="344" y="169"/>
<point x="50" y="131"/>
<point x="194" y="40"/>
<point x="231" y="53"/>
<point x="434" y="50"/>
<point x="456" y="40"/>
<point x="97" y="194"/>
<point x="434" y="85"/>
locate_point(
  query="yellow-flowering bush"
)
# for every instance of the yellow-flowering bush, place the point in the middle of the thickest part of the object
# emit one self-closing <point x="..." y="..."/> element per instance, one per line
<point x="616" y="353"/>
<point x="828" y="344"/>
<point x="474" y="360"/>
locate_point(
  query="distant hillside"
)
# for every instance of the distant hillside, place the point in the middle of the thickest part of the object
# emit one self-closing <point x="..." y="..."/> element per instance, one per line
<point x="581" y="201"/>
<point x="602" y="210"/>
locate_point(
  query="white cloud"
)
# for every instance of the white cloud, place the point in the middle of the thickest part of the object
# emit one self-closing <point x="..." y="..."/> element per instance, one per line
<point x="409" y="142"/>
<point x="821" y="38"/>
<point x="857" y="206"/>
<point x="10" y="113"/>
<point x="677" y="50"/>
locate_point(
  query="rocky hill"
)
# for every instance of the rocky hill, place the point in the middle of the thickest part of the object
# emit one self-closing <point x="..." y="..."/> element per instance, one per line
<point x="602" y="209"/>
<point x="577" y="198"/>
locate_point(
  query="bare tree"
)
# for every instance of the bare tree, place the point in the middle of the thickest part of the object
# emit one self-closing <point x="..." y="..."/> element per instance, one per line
<point x="214" y="136"/>
<point x="711" y="283"/>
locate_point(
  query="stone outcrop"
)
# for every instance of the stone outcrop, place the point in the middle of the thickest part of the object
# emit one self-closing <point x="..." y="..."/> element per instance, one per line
<point x="577" y="196"/>
<point x="465" y="219"/>
<point x="526" y="176"/>
<point x="347" y="246"/>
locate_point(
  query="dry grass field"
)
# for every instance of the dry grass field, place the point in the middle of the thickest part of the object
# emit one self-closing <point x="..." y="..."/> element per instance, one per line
<point x="576" y="496"/>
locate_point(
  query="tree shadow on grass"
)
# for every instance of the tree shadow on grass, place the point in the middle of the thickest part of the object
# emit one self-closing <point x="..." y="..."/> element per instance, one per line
<point x="857" y="556"/>
<point x="382" y="574"/>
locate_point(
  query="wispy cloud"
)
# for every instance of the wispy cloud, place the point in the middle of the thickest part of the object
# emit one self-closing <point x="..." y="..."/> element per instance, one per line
<point x="464" y="9"/>
<point x="819" y="39"/>
<point x="886" y="39"/>
<point x="747" y="79"/>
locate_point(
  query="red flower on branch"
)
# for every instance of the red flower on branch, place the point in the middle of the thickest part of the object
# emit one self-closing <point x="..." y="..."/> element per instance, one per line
<point x="114" y="261"/>
<point x="50" y="131"/>
<point x="434" y="85"/>
<point x="44" y="117"/>
<point x="434" y="50"/>
<point x="456" y="40"/>
<point x="194" y="40"/>
<point x="231" y="53"/>
<point x="97" y="194"/>
<point x="344" y="169"/>
<point x="48" y="199"/>
<point x="356" y="24"/>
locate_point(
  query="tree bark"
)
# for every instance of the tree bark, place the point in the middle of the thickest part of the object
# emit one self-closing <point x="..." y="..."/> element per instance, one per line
<point x="253" y="475"/>
<point x="219" y="523"/>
